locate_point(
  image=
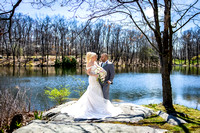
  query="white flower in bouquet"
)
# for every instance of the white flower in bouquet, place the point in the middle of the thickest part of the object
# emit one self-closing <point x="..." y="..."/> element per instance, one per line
<point x="101" y="72"/>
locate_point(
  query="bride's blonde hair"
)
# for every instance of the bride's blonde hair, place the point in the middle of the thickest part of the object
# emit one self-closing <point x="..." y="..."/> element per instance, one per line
<point x="89" y="55"/>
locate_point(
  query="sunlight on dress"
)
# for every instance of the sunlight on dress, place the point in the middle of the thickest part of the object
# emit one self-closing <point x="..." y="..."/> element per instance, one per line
<point x="92" y="103"/>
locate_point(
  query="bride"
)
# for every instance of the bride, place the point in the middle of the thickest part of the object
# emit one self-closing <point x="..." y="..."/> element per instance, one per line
<point x="92" y="103"/>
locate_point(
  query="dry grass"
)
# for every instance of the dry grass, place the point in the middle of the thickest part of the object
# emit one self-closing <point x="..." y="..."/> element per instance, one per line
<point x="12" y="104"/>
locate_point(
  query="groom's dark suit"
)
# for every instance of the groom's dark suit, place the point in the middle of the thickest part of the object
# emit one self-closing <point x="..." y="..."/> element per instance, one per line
<point x="109" y="67"/>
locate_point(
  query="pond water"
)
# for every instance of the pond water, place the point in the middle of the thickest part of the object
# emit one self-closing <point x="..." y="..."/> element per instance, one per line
<point x="134" y="85"/>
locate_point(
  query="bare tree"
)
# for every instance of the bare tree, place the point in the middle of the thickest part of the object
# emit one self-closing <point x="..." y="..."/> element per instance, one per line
<point x="47" y="32"/>
<point x="197" y="42"/>
<point x="7" y="11"/>
<point x="62" y="31"/>
<point x="160" y="23"/>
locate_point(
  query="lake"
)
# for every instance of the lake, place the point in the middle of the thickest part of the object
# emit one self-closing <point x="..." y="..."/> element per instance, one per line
<point x="134" y="84"/>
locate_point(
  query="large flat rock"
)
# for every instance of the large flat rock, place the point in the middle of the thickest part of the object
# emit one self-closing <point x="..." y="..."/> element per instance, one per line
<point x="56" y="122"/>
<point x="170" y="118"/>
<point x="65" y="127"/>
<point x="132" y="114"/>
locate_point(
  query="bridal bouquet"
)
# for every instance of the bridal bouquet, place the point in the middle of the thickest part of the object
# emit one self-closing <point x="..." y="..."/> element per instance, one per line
<point x="101" y="72"/>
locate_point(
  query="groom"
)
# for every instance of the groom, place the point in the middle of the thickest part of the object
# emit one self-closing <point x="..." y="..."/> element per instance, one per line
<point x="109" y="67"/>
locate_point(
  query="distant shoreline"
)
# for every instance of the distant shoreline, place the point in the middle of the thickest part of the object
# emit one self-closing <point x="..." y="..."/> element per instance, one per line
<point x="53" y="65"/>
<point x="36" y="61"/>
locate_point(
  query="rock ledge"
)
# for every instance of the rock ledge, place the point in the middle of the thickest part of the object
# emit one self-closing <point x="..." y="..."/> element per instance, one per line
<point x="56" y="122"/>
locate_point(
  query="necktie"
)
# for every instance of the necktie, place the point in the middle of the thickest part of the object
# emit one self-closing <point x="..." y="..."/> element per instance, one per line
<point x="103" y="64"/>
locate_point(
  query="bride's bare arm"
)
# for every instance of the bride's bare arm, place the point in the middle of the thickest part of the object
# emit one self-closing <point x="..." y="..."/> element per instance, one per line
<point x="89" y="70"/>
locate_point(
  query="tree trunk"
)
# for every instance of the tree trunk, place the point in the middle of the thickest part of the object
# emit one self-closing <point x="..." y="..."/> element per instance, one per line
<point x="47" y="49"/>
<point x="13" y="51"/>
<point x="165" y="48"/>
<point x="132" y="57"/>
<point x="19" y="54"/>
<point x="111" y="49"/>
<point x="42" y="50"/>
<point x="81" y="50"/>
<point x="197" y="52"/>
<point x="76" y="51"/>
<point x="107" y="39"/>
<point x="188" y="52"/>
<point x="2" y="46"/>
<point x="56" y="47"/>
<point x="166" y="85"/>
<point x="14" y="57"/>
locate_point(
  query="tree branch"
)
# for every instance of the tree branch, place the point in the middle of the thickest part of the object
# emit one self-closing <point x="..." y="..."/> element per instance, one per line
<point x="6" y="12"/>
<point x="144" y="16"/>
<point x="14" y="7"/>
<point x="151" y="4"/>
<point x="129" y="14"/>
<point x="185" y="12"/>
<point x="11" y="11"/>
<point x="187" y="22"/>
<point x="124" y="2"/>
<point x="157" y="26"/>
<point x="106" y="10"/>
<point x="144" y="34"/>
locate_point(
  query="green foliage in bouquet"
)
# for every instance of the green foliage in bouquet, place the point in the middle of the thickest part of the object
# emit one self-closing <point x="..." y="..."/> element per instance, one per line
<point x="58" y="95"/>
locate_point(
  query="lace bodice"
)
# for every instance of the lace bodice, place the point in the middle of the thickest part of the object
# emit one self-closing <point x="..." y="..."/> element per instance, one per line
<point x="93" y="80"/>
<point x="93" y="68"/>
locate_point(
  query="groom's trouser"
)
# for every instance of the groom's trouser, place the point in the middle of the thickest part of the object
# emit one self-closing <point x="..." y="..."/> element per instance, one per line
<point x="105" y="89"/>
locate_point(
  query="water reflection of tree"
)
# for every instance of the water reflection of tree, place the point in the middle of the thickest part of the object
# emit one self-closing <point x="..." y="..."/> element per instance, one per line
<point x="119" y="69"/>
<point x="186" y="70"/>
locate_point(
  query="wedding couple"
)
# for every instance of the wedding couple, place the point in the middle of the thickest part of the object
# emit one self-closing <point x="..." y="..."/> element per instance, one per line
<point x="94" y="103"/>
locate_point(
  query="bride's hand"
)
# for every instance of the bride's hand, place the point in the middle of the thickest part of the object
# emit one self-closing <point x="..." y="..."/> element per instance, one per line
<point x="96" y="75"/>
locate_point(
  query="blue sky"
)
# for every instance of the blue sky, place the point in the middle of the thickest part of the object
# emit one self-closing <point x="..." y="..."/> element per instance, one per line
<point x="56" y="9"/>
<point x="27" y="9"/>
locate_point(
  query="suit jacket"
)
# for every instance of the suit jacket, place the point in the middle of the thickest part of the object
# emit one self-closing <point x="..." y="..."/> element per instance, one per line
<point x="109" y="67"/>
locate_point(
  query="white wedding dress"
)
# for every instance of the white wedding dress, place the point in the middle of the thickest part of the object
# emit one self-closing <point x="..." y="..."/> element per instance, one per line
<point x="92" y="103"/>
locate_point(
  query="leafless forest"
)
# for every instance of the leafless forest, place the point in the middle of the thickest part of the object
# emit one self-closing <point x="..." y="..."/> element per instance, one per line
<point x="59" y="37"/>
